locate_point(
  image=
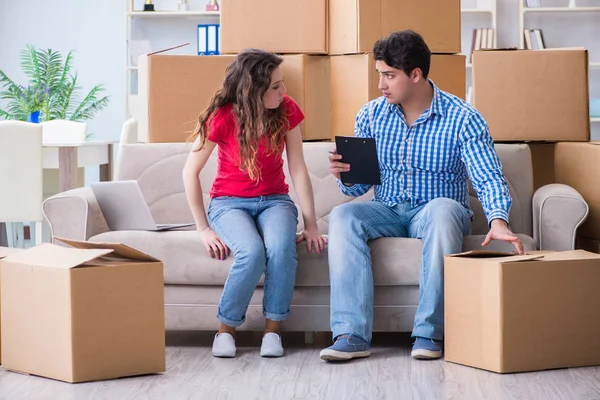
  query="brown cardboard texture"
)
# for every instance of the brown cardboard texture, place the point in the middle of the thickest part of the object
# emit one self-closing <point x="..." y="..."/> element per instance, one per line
<point x="172" y="92"/>
<point x="307" y="80"/>
<point x="542" y="160"/>
<point x="354" y="82"/>
<point x="274" y="25"/>
<point x="522" y="313"/>
<point x="4" y="252"/>
<point x="578" y="165"/>
<point x="83" y="314"/>
<point x="521" y="92"/>
<point x="355" y="25"/>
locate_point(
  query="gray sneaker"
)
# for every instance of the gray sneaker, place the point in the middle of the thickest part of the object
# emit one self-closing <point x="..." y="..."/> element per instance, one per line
<point x="224" y="345"/>
<point x="271" y="345"/>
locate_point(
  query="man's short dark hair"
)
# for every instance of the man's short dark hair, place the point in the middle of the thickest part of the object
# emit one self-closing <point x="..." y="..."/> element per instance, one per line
<point x="405" y="50"/>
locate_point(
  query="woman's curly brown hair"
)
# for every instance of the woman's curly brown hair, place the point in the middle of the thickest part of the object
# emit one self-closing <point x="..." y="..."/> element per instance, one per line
<point x="246" y="81"/>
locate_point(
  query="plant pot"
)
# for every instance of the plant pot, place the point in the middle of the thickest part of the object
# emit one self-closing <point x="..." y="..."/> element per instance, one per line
<point x="34" y="117"/>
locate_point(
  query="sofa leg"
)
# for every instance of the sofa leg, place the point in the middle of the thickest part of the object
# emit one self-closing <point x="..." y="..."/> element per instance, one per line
<point x="309" y="337"/>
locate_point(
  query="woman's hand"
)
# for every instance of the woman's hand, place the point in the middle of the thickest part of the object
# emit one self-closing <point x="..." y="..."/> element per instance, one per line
<point x="313" y="240"/>
<point x="214" y="246"/>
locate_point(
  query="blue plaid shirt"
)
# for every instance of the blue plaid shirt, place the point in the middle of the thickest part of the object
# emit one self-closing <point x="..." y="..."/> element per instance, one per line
<point x="447" y="144"/>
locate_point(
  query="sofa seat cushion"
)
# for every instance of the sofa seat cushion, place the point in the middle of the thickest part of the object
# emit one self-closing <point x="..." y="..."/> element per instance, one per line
<point x="395" y="260"/>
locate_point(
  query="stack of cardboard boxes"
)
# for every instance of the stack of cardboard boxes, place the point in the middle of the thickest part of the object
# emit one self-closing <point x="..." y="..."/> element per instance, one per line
<point x="541" y="97"/>
<point x="328" y="68"/>
<point x="508" y="313"/>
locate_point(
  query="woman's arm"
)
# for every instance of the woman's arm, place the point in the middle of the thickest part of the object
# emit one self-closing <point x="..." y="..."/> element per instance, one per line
<point x="303" y="187"/>
<point x="193" y="192"/>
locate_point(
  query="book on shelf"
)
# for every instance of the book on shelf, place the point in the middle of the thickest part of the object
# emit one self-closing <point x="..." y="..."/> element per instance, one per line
<point x="534" y="40"/>
<point x="483" y="38"/>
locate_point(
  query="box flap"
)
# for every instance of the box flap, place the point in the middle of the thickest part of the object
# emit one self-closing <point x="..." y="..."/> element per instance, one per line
<point x="571" y="255"/>
<point x="118" y="249"/>
<point x="7" y="251"/>
<point x="167" y="49"/>
<point x="499" y="256"/>
<point x="53" y="256"/>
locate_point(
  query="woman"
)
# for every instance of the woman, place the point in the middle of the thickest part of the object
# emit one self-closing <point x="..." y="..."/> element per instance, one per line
<point x="252" y="119"/>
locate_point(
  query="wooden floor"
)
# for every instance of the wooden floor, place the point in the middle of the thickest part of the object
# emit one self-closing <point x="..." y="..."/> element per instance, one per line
<point x="192" y="373"/>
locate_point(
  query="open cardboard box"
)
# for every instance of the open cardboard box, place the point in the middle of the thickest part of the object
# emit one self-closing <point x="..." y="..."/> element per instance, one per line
<point x="89" y="312"/>
<point x="513" y="313"/>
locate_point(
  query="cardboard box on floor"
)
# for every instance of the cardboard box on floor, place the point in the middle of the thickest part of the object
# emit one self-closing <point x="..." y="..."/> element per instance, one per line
<point x="4" y="252"/>
<point x="522" y="313"/>
<point x="174" y="89"/>
<point x="522" y="93"/>
<point x="83" y="314"/>
<point x="354" y="82"/>
<point x="355" y="25"/>
<point x="274" y="25"/>
<point x="578" y="165"/>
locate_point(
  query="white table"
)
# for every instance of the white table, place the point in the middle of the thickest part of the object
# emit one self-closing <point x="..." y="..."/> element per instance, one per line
<point x="68" y="156"/>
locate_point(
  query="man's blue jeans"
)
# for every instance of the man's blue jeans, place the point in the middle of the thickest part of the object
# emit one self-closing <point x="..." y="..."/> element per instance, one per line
<point x="261" y="234"/>
<point x="441" y="224"/>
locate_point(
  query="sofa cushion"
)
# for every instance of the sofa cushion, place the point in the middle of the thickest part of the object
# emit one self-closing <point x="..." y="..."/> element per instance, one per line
<point x="395" y="260"/>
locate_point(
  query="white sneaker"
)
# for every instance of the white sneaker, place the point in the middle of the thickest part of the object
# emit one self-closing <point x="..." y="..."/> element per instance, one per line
<point x="223" y="345"/>
<point x="271" y="345"/>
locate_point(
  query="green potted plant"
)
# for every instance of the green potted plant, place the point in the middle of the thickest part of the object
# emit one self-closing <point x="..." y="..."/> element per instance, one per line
<point x="52" y="90"/>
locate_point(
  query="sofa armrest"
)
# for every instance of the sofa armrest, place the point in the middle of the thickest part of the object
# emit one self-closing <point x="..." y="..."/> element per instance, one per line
<point x="558" y="210"/>
<point x="74" y="214"/>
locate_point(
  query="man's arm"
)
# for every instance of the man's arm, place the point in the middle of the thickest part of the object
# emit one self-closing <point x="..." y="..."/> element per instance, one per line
<point x="361" y="129"/>
<point x="485" y="171"/>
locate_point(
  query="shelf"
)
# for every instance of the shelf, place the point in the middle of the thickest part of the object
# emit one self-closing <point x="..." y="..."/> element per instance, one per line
<point x="595" y="64"/>
<point x="476" y="11"/>
<point x="159" y="14"/>
<point x="595" y="119"/>
<point x="469" y="65"/>
<point x="560" y="9"/>
<point x="132" y="68"/>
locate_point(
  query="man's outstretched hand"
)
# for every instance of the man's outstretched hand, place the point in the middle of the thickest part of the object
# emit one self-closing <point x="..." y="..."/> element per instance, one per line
<point x="499" y="231"/>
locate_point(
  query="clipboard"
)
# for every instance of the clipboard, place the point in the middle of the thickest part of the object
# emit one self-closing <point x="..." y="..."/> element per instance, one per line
<point x="361" y="154"/>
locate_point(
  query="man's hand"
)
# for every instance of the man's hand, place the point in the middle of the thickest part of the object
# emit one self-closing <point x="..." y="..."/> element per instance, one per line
<point x="335" y="166"/>
<point x="499" y="231"/>
<point x="213" y="244"/>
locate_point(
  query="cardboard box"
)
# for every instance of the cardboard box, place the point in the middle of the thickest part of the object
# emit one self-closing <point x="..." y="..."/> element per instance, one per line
<point x="354" y="82"/>
<point x="83" y="314"/>
<point x="542" y="160"/>
<point x="577" y="165"/>
<point x="4" y="252"/>
<point x="172" y="92"/>
<point x="307" y="80"/>
<point x="355" y="25"/>
<point x="587" y="244"/>
<point x="521" y="92"/>
<point x="522" y="313"/>
<point x="279" y="26"/>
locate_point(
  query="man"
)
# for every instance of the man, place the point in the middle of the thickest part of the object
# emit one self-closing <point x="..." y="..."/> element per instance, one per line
<point x="429" y="143"/>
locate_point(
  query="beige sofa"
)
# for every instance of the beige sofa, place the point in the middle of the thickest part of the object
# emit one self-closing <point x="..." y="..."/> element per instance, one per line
<point x="194" y="281"/>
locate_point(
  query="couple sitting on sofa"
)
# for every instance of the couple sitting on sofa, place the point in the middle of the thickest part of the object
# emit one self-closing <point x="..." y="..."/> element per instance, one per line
<point x="428" y="142"/>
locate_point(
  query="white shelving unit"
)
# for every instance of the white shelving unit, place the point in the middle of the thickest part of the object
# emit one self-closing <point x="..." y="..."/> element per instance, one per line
<point x="133" y="13"/>
<point x="557" y="11"/>
<point x="472" y="12"/>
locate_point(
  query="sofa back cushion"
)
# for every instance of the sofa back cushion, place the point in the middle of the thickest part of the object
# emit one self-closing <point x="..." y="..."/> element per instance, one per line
<point x="157" y="167"/>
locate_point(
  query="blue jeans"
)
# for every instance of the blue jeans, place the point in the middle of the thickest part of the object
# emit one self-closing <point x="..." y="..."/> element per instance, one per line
<point x="441" y="224"/>
<point x="261" y="234"/>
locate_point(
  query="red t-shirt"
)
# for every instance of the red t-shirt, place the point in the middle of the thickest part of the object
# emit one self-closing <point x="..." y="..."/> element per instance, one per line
<point x="230" y="180"/>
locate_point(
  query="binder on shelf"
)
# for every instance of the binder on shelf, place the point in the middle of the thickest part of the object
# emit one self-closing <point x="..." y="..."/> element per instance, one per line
<point x="208" y="39"/>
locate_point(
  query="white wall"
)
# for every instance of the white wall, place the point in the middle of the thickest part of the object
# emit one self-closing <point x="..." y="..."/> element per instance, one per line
<point x="96" y="30"/>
